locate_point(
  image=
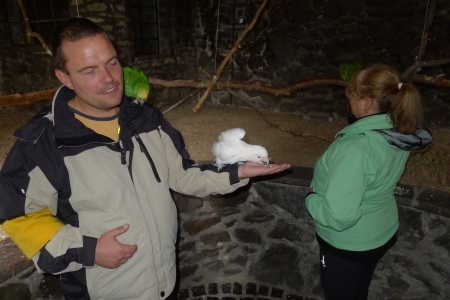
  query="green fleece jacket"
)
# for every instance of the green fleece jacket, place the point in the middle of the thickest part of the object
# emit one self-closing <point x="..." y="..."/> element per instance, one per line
<point x="353" y="204"/>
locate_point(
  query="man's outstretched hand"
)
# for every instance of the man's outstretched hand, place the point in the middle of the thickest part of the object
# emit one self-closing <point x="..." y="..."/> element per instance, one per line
<point x="251" y="169"/>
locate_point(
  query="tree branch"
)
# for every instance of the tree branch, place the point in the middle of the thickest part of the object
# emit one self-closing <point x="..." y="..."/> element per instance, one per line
<point x="230" y="53"/>
<point x="28" y="28"/>
<point x="409" y="73"/>
<point x="249" y="103"/>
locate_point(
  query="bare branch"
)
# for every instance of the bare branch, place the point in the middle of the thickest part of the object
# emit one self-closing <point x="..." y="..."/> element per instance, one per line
<point x="426" y="30"/>
<point x="29" y="98"/>
<point x="249" y="103"/>
<point x="181" y="101"/>
<point x="411" y="72"/>
<point x="250" y="86"/>
<point x="230" y="53"/>
<point x="269" y="22"/>
<point x="437" y="81"/>
<point x="28" y="28"/>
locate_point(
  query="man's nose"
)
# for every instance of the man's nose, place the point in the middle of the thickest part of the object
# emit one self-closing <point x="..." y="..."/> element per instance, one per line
<point x="106" y="76"/>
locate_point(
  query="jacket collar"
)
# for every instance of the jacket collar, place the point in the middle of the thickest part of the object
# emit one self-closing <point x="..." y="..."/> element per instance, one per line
<point x="378" y="121"/>
<point x="382" y="124"/>
<point x="69" y="131"/>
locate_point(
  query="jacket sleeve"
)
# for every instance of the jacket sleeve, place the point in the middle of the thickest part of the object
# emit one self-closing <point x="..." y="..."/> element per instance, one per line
<point x="31" y="232"/>
<point x="339" y="205"/>
<point x="26" y="194"/>
<point x="188" y="178"/>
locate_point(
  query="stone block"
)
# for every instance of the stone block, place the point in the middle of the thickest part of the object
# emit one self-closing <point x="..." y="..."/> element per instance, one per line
<point x="198" y="291"/>
<point x="213" y="289"/>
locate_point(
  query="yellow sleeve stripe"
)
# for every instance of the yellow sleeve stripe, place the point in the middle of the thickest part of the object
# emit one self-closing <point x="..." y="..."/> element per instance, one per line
<point x="30" y="233"/>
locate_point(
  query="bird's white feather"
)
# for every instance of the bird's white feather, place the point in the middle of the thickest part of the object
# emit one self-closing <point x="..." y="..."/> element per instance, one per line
<point x="232" y="135"/>
<point x="230" y="149"/>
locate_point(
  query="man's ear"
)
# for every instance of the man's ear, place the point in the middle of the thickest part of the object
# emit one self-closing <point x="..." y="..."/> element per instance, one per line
<point x="64" y="78"/>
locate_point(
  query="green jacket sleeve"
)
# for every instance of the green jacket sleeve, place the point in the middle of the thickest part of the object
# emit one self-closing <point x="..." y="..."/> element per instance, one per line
<point x="337" y="202"/>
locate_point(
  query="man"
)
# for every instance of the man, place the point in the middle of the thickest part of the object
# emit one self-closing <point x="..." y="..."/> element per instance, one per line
<point x="103" y="164"/>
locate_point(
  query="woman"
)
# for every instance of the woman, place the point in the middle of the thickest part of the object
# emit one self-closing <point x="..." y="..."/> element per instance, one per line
<point x="351" y="197"/>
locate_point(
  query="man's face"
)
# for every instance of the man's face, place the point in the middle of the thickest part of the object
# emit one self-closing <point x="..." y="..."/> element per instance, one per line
<point x="95" y="74"/>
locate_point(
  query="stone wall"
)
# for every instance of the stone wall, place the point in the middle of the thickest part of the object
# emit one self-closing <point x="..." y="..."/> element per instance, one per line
<point x="310" y="39"/>
<point x="304" y="40"/>
<point x="259" y="243"/>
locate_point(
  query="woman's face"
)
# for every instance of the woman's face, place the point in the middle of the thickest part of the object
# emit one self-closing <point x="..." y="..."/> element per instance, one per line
<point x="357" y="106"/>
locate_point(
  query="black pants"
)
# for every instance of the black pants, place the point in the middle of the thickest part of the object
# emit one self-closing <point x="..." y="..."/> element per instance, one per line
<point x="342" y="279"/>
<point x="347" y="274"/>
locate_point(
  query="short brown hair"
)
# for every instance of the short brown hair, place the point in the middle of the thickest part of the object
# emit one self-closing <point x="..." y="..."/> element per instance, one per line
<point x="73" y="30"/>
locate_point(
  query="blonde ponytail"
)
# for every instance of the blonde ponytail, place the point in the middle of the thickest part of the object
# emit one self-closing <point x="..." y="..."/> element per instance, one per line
<point x="400" y="100"/>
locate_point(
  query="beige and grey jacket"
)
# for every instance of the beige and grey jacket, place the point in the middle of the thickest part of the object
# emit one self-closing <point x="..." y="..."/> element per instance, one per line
<point x="94" y="184"/>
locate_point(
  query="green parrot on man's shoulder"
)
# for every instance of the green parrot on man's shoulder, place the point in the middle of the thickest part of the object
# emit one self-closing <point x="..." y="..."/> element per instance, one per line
<point x="136" y="83"/>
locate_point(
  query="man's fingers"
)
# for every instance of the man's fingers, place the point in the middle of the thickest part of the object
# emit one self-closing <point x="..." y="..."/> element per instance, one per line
<point x="273" y="168"/>
<point x="129" y="249"/>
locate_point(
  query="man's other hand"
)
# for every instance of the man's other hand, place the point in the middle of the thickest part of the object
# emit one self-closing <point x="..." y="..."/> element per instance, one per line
<point x="111" y="254"/>
<point x="251" y="169"/>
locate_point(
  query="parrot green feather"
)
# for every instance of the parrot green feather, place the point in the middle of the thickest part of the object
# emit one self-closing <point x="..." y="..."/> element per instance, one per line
<point x="348" y="69"/>
<point x="136" y="83"/>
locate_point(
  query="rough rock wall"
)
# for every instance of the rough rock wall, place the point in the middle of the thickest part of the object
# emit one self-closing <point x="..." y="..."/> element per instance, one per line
<point x="259" y="243"/>
<point x="310" y="39"/>
<point x="304" y="40"/>
<point x="262" y="243"/>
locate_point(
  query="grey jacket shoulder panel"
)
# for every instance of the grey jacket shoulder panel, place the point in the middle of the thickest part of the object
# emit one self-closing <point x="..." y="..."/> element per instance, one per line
<point x="414" y="141"/>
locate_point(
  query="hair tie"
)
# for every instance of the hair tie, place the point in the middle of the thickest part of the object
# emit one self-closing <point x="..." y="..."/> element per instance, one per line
<point x="400" y="85"/>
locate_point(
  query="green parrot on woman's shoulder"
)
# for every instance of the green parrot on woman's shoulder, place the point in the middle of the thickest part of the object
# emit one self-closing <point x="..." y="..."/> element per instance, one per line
<point x="136" y="83"/>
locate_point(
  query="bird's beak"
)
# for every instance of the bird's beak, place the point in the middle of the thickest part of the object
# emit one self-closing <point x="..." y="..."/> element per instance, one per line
<point x="142" y="93"/>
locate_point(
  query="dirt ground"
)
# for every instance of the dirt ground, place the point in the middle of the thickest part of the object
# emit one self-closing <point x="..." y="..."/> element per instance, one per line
<point x="429" y="167"/>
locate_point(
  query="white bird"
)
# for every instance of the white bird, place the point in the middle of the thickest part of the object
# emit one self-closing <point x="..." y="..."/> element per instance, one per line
<point x="230" y="149"/>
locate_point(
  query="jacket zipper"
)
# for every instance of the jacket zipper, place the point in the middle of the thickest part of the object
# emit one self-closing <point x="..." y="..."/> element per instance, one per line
<point x="123" y="153"/>
<point x="150" y="160"/>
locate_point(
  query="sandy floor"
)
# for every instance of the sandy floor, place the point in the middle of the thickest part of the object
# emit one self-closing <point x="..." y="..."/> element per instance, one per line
<point x="426" y="168"/>
<point x="429" y="167"/>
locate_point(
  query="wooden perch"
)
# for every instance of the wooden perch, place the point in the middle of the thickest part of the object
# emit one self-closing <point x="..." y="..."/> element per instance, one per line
<point x="428" y="22"/>
<point x="411" y="72"/>
<point x="437" y="81"/>
<point x="181" y="101"/>
<point x="29" y="98"/>
<point x="271" y="124"/>
<point x="230" y="53"/>
<point x="18" y="99"/>
<point x="267" y="27"/>
<point x="29" y="31"/>
<point x="312" y="82"/>
<point x="250" y="86"/>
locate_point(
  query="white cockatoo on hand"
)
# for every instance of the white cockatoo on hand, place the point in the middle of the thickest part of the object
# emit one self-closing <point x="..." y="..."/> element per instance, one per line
<point x="230" y="149"/>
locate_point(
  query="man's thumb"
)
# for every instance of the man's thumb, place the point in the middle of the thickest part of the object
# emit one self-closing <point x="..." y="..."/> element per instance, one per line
<point x="120" y="230"/>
